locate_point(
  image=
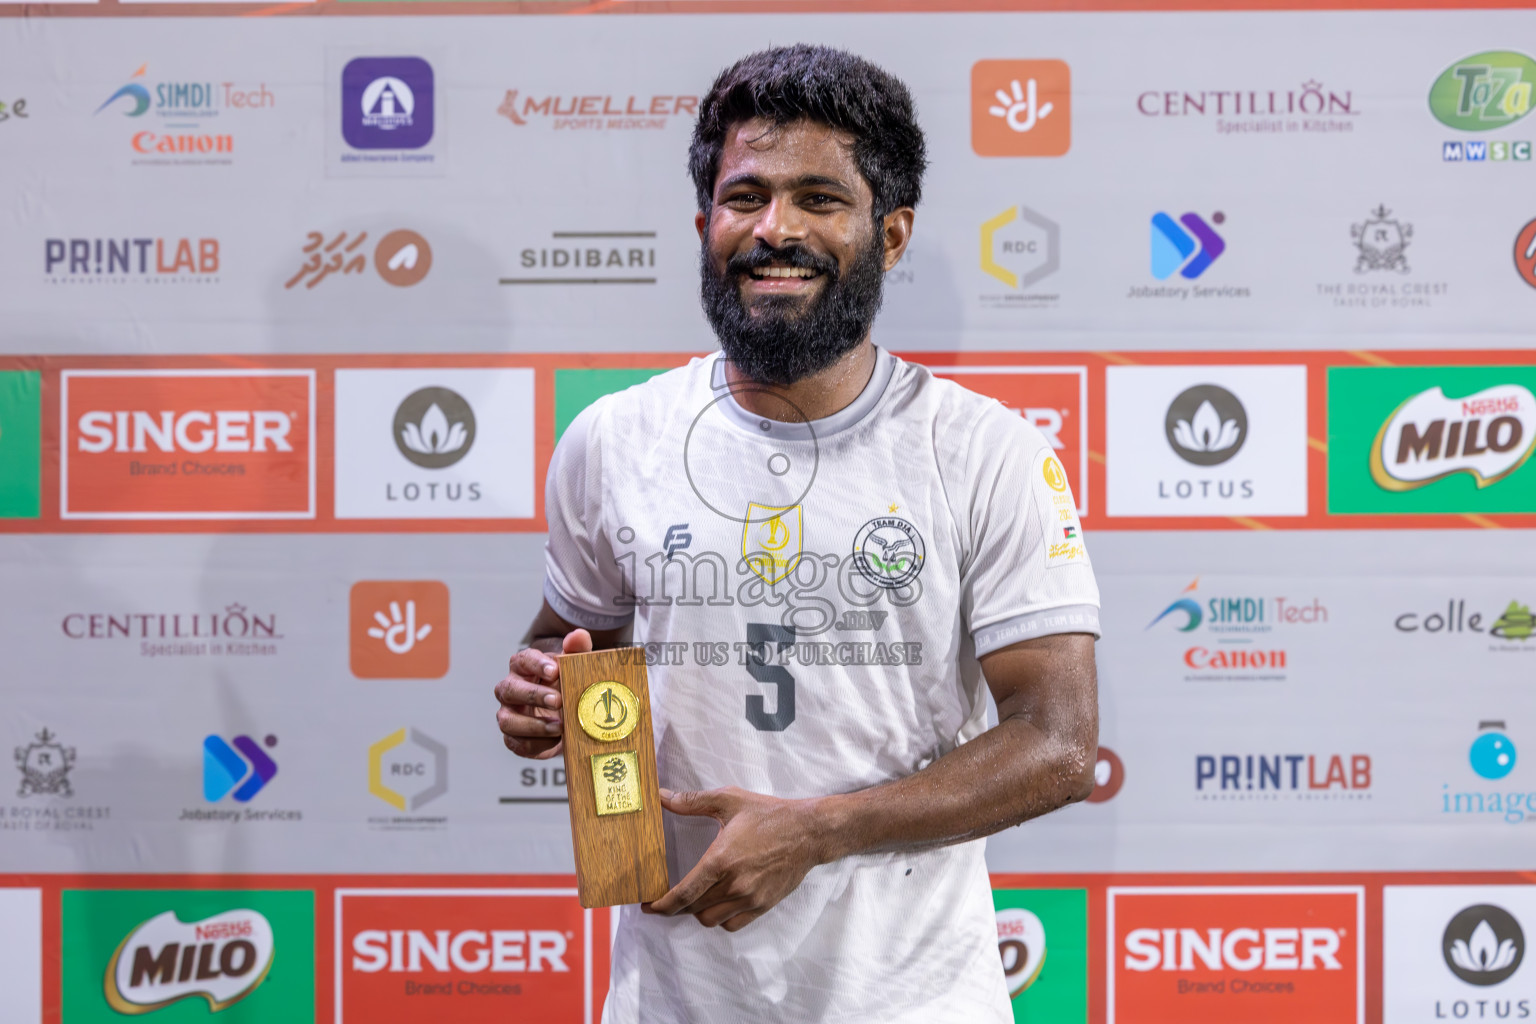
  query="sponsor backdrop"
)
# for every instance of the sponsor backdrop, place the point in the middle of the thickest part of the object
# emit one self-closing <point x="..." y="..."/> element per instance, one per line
<point x="293" y="310"/>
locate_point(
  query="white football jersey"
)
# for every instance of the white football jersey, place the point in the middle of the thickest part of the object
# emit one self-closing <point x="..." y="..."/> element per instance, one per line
<point x="814" y="598"/>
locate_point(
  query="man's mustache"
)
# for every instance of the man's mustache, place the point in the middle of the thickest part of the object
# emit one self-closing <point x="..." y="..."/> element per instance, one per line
<point x="765" y="255"/>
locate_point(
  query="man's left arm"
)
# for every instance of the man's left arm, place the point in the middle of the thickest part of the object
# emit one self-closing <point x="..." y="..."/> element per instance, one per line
<point x="1039" y="757"/>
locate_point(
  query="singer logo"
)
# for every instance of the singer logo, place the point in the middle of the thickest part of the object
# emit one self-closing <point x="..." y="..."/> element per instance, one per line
<point x="1221" y="954"/>
<point x="399" y="629"/>
<point x="187" y="444"/>
<point x="475" y="954"/>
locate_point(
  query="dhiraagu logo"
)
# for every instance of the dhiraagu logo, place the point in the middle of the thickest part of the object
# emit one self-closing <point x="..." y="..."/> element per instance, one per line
<point x="1042" y="937"/>
<point x="181" y="955"/>
<point x="1484" y="91"/>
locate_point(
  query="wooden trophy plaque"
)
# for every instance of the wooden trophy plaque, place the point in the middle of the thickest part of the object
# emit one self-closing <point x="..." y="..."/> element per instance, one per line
<point x="610" y="776"/>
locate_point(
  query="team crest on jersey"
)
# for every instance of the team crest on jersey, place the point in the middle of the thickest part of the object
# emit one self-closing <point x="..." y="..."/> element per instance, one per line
<point x="889" y="552"/>
<point x="772" y="540"/>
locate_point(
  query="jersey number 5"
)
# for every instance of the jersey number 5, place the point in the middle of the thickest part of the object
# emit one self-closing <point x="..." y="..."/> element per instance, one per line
<point x="759" y="636"/>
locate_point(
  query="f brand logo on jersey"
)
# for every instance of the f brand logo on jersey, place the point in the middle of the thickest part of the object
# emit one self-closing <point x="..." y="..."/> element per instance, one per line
<point x="771" y="541"/>
<point x="678" y="539"/>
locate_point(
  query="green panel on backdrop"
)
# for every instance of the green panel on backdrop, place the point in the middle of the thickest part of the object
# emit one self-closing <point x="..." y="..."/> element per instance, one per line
<point x="94" y="924"/>
<point x="1043" y="939"/>
<point x="577" y="389"/>
<point x="1362" y="401"/>
<point x="21" y="455"/>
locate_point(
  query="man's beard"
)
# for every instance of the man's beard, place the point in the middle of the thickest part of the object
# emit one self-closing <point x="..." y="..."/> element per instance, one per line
<point x="787" y="340"/>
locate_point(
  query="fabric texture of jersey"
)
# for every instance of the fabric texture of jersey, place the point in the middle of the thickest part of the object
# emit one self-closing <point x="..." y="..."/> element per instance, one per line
<point x="814" y="598"/>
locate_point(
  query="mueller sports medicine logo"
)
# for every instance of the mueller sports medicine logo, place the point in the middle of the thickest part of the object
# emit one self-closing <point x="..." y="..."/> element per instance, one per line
<point x="1309" y="109"/>
<point x="1221" y="954"/>
<point x="131" y="260"/>
<point x="1282" y="776"/>
<point x="190" y="125"/>
<point x="1487" y="435"/>
<point x="187" y="444"/>
<point x="223" y="959"/>
<point x="479" y="954"/>
<point x="1021" y="108"/>
<point x="1019" y="248"/>
<point x="596" y="111"/>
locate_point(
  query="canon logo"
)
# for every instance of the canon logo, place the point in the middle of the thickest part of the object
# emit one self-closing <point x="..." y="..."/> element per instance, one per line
<point x="469" y="951"/>
<point x="224" y="430"/>
<point x="1241" y="949"/>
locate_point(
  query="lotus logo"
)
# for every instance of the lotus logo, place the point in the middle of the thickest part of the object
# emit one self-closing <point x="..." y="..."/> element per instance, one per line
<point x="434" y="428"/>
<point x="1206" y="425"/>
<point x="222" y="958"/>
<point x="1483" y="945"/>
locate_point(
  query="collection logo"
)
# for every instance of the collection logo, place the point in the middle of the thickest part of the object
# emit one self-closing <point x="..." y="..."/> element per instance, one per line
<point x="1256" y="111"/>
<point x="1189" y="253"/>
<point x="601" y="112"/>
<point x="1021" y="108"/>
<point x="402" y="258"/>
<point x="239" y="771"/>
<point x="889" y="551"/>
<point x="1483" y="92"/>
<point x="187" y="444"/>
<point x="460" y="948"/>
<point x="1206" y="425"/>
<point x="408" y="770"/>
<point x="1108" y="776"/>
<point x="223" y="959"/>
<point x="129" y="260"/>
<point x="190" y="114"/>
<point x="1221" y="954"/>
<point x="1515" y="623"/>
<point x="1483" y="945"/>
<point x="772" y="540"/>
<point x="399" y="629"/>
<point x="1525" y="253"/>
<point x="427" y="435"/>
<point x="1020" y="247"/>
<point x="1381" y="243"/>
<point x="45" y="765"/>
<point x="16" y="108"/>
<point x="608" y="257"/>
<point x="1277" y="776"/>
<point x="21" y="453"/>
<point x="1042" y="938"/>
<point x="1424" y="439"/>
<point x="387" y="103"/>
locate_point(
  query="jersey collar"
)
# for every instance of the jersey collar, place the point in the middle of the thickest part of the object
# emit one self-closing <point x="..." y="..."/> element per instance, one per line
<point x="757" y="426"/>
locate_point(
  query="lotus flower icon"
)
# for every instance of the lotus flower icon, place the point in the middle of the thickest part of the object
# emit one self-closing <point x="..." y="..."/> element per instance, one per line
<point x="1206" y="431"/>
<point x="1485" y="953"/>
<point x="1206" y="425"/>
<point x="1483" y="944"/>
<point x="434" y="435"/>
<point x="434" y="427"/>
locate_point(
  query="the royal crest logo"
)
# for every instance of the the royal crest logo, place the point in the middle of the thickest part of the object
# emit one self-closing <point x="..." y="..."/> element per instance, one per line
<point x="772" y="540"/>
<point x="45" y="765"/>
<point x="222" y="958"/>
<point x="1381" y="242"/>
<point x="889" y="551"/>
<point x="1487" y="435"/>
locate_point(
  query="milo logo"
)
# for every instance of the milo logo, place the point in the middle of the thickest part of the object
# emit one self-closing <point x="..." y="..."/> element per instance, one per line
<point x="1488" y="435"/>
<point x="1484" y="91"/>
<point x="221" y="958"/>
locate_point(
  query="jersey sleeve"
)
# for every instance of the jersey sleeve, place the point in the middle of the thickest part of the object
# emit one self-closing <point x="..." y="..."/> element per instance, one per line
<point x="1027" y="572"/>
<point x="583" y="582"/>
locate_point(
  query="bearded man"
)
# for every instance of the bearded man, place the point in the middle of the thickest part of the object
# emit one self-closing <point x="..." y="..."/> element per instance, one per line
<point x="845" y="548"/>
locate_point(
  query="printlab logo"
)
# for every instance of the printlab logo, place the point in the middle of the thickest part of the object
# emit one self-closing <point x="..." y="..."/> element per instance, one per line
<point x="402" y="258"/>
<point x="1206" y="425"/>
<point x="1021" y="108"/>
<point x="1481" y="93"/>
<point x="1189" y="250"/>
<point x="434" y="427"/>
<point x="407" y="770"/>
<point x="1483" y="945"/>
<point x="1265" y="777"/>
<point x="599" y="112"/>
<point x="387" y="103"/>
<point x="45" y="765"/>
<point x="399" y="629"/>
<point x="238" y="770"/>
<point x="1020" y="247"/>
<point x="131" y="260"/>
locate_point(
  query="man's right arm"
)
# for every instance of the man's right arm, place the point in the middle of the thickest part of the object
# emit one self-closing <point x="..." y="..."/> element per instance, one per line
<point x="529" y="716"/>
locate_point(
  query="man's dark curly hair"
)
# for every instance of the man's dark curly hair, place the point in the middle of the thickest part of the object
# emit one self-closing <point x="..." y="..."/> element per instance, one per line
<point x="831" y="87"/>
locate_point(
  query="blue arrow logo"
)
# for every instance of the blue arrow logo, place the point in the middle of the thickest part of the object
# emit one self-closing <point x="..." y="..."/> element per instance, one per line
<point x="244" y="765"/>
<point x="1189" y="252"/>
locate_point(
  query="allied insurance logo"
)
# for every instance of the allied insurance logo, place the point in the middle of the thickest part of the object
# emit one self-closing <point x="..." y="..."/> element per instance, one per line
<point x="1021" y="107"/>
<point x="187" y="444"/>
<point x="387" y="103"/>
<point x="472" y="956"/>
<point x="1260" y="955"/>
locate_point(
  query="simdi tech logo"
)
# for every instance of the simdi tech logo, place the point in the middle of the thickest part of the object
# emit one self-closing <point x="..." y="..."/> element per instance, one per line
<point x="399" y="629"/>
<point x="189" y="125"/>
<point x="187" y="444"/>
<point x="1484" y="92"/>
<point x="1431" y="439"/>
<point x="1457" y="952"/>
<point x="1219" y="954"/>
<point x="21" y="453"/>
<point x="473" y="956"/>
<point x="1021" y="107"/>
<point x="1237" y="632"/>
<point x="174" y="955"/>
<point x="1042" y="937"/>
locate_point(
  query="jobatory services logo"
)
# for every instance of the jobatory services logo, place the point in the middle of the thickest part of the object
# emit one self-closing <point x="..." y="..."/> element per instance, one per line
<point x="1042" y="937"/>
<point x="476" y="956"/>
<point x="399" y="629"/>
<point x="1182" y="250"/>
<point x="1456" y="952"/>
<point x="1214" y="955"/>
<point x="425" y="443"/>
<point x="1233" y="633"/>
<point x="596" y="112"/>
<point x="588" y="258"/>
<point x="1272" y="777"/>
<point x="1484" y="92"/>
<point x="388" y="104"/>
<point x="145" y="260"/>
<point x="1206" y="440"/>
<point x="190" y="120"/>
<point x="21" y="936"/>
<point x="1021" y="108"/>
<point x="1019" y="248"/>
<point x="401" y="258"/>
<point x="1431" y="439"/>
<point x="1383" y="276"/>
<point x="244" y="955"/>
<point x="21" y="453"/>
<point x="43" y="764"/>
<point x="238" y="770"/>
<point x="1310" y="109"/>
<point x="237" y="631"/>
<point x="1492" y="757"/>
<point x="1509" y="631"/>
<point x="407" y="770"/>
<point x="187" y="444"/>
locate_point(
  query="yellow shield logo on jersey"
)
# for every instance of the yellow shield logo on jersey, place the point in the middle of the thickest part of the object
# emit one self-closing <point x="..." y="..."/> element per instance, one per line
<point x="771" y="541"/>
